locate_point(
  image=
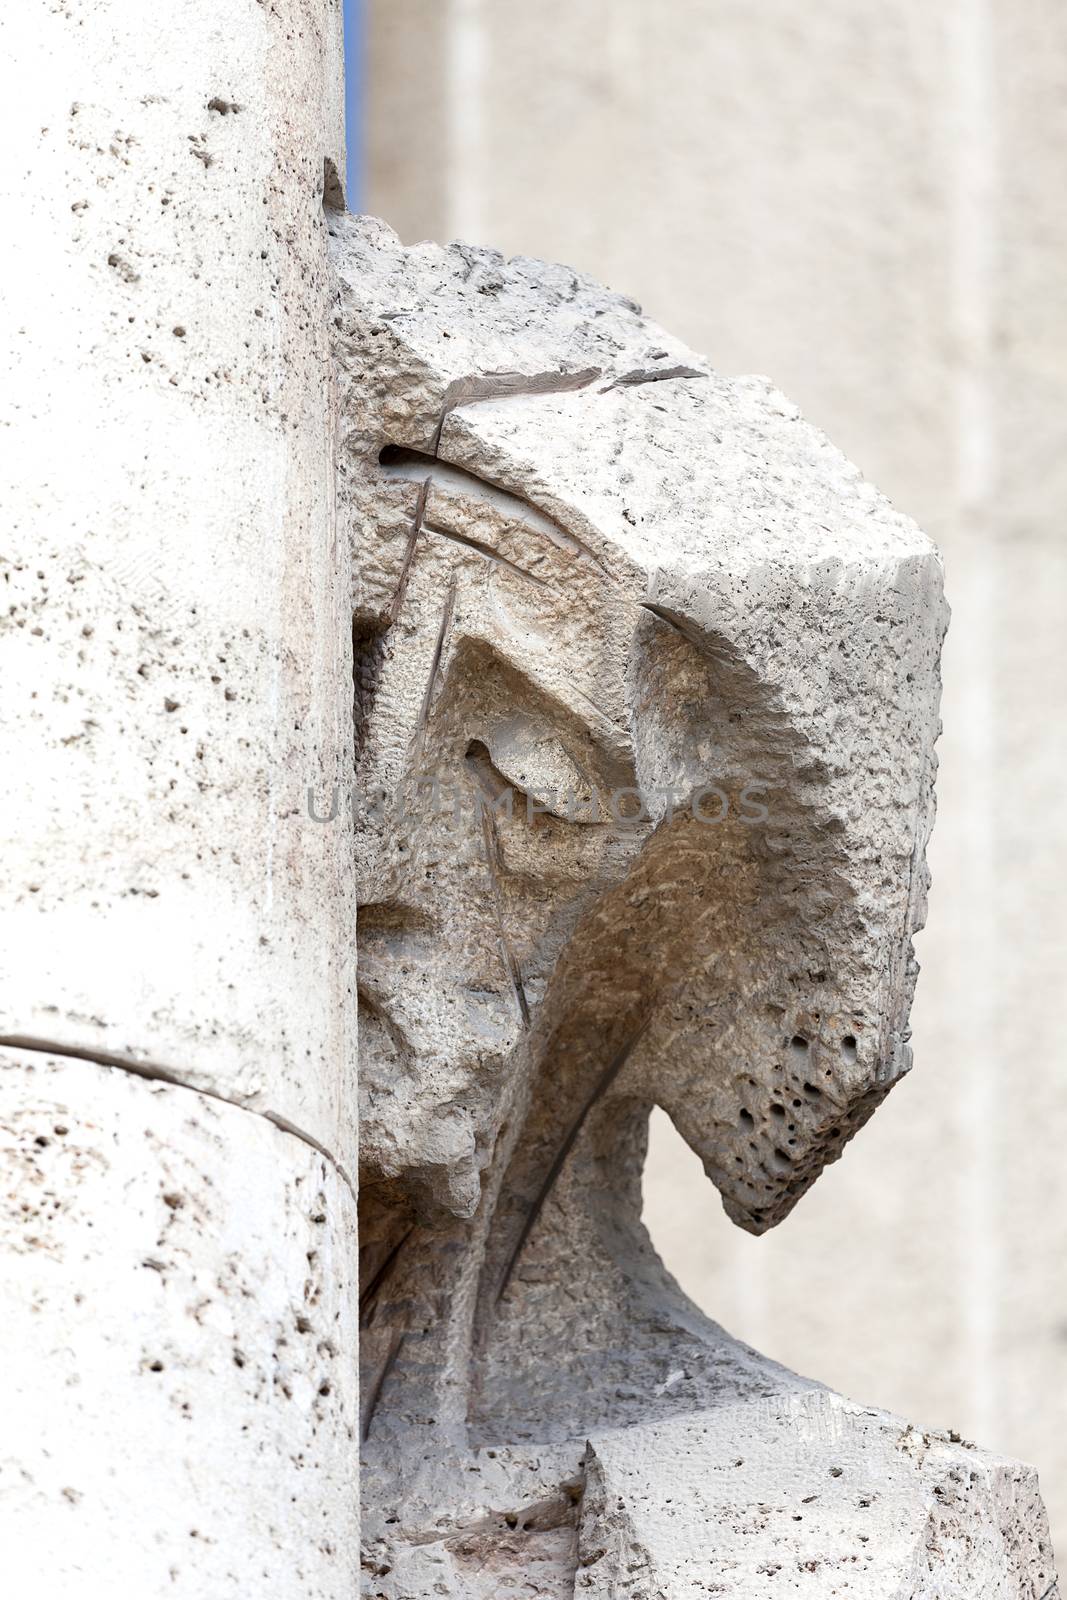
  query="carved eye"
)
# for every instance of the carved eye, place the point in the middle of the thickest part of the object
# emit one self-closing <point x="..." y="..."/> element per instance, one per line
<point x="533" y="761"/>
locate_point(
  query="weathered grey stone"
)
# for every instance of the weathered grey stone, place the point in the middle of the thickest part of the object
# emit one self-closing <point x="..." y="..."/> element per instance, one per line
<point x="865" y="202"/>
<point x="590" y="567"/>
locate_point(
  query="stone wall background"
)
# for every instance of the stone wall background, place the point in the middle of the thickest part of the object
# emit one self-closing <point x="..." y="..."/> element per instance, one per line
<point x="864" y="201"/>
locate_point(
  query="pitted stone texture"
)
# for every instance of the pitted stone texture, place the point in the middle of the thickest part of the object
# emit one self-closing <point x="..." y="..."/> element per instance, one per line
<point x="178" y="1325"/>
<point x="587" y="561"/>
<point x="175" y="611"/>
<point x="795" y="1490"/>
<point x="867" y="206"/>
<point x="807" y="1495"/>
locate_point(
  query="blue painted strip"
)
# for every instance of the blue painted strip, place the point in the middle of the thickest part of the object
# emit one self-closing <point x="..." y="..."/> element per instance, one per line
<point x="353" y="20"/>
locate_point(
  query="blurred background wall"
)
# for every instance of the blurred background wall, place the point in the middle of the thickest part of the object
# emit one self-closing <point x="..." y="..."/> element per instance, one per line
<point x="865" y="201"/>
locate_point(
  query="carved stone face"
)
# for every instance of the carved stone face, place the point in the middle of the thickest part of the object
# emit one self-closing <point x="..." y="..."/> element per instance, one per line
<point x="662" y="619"/>
<point x="594" y="574"/>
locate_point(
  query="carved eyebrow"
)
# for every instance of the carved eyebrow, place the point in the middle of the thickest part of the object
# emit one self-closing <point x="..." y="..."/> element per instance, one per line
<point x="400" y="461"/>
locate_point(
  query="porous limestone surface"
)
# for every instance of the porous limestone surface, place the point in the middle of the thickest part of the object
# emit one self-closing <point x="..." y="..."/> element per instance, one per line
<point x="625" y="571"/>
<point x="646" y="699"/>
<point x="807" y="1495"/>
<point x="864" y="202"/>
<point x="177" y="1333"/>
<point x="796" y="1493"/>
<point x="175" y="609"/>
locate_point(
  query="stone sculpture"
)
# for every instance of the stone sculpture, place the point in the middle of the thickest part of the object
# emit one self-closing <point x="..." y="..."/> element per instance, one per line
<point x="649" y="609"/>
<point x="646" y="702"/>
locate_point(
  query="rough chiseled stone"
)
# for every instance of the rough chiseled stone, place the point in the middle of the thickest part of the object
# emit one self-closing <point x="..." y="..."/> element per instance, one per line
<point x="594" y="577"/>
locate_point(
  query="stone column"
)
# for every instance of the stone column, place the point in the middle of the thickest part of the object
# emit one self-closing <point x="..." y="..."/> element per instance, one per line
<point x="178" y="1114"/>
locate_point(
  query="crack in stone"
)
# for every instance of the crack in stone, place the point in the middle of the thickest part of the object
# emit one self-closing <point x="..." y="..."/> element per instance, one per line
<point x="651" y="375"/>
<point x="492" y="862"/>
<point x="435" y="664"/>
<point x="488" y="552"/>
<point x="379" y="1383"/>
<point x="505" y="386"/>
<point x="603" y="1083"/>
<point x="368" y="1300"/>
<point x="153" y="1072"/>
<point x="409" y="553"/>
